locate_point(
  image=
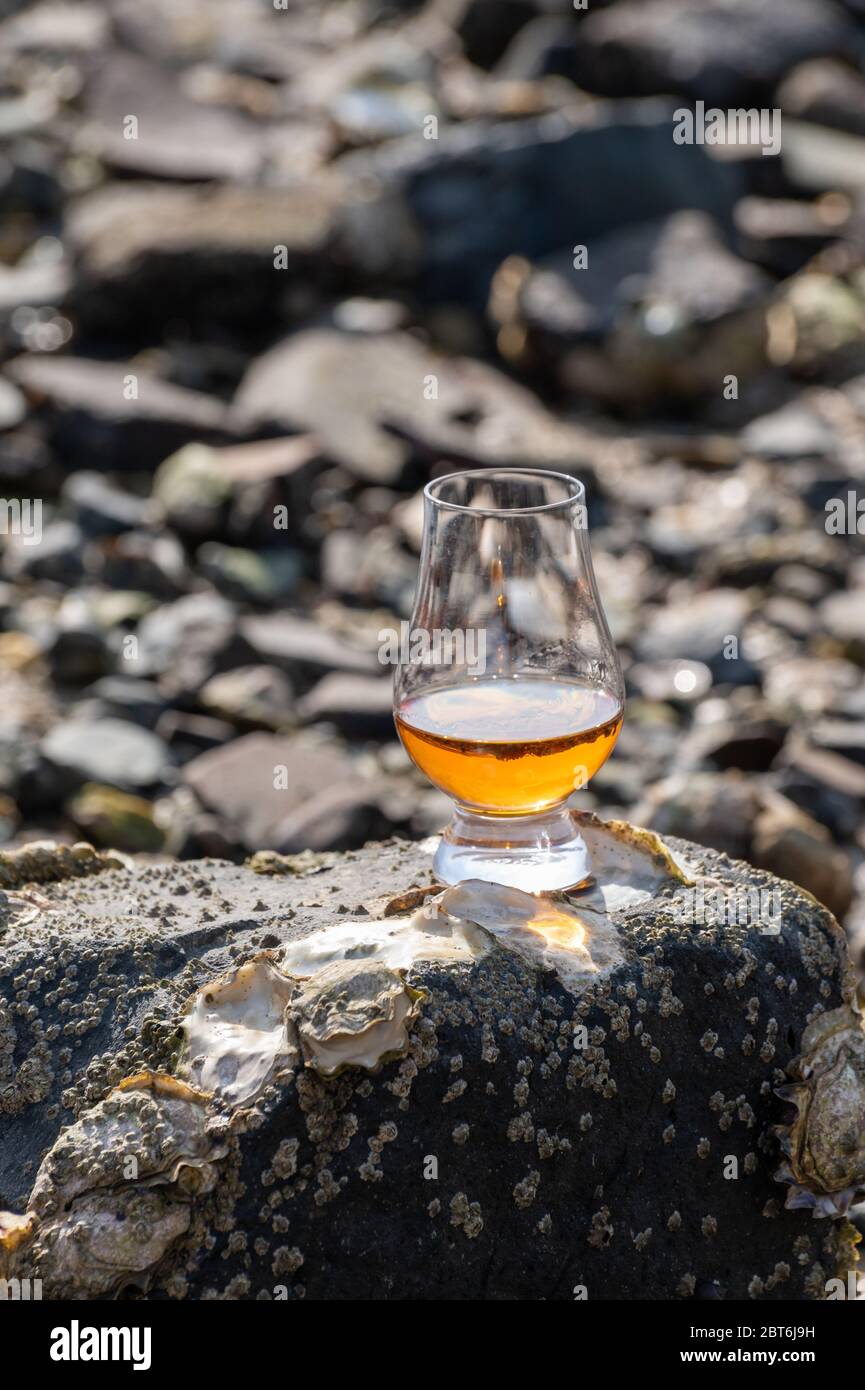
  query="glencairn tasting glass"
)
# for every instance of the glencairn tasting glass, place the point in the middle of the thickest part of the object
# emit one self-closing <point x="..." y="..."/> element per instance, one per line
<point x="510" y="694"/>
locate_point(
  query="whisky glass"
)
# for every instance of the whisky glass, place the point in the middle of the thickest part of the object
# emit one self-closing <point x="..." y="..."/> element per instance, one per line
<point x="509" y="694"/>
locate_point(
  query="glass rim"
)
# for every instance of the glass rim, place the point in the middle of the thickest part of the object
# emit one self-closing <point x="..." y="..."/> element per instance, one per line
<point x="578" y="494"/>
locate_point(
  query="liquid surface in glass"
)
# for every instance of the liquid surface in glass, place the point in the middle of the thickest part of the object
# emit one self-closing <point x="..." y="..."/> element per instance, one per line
<point x="512" y="745"/>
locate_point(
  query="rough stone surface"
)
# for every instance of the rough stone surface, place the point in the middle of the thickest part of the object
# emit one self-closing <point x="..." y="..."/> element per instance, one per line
<point x="556" y="1165"/>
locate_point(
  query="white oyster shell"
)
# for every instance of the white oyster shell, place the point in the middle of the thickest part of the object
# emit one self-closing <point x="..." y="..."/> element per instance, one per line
<point x="399" y="942"/>
<point x="548" y="934"/>
<point x="628" y="865"/>
<point x="235" y="1032"/>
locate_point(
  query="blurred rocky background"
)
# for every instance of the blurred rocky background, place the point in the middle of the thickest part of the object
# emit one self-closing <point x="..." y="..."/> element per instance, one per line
<point x="267" y="268"/>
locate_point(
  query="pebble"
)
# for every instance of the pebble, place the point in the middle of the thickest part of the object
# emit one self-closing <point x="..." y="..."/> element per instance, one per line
<point x="111" y="751"/>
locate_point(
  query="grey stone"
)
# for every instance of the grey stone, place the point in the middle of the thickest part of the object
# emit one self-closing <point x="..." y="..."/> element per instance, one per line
<point x="302" y="647"/>
<point x="355" y="704"/>
<point x="818" y="159"/>
<point x="190" y="735"/>
<point x="843" y="615"/>
<point x="250" y="576"/>
<point x="59" y="554"/>
<point x="102" y="509"/>
<point x="699" y="630"/>
<point x="78" y="654"/>
<point x="179" y="639"/>
<point x="726" y="52"/>
<point x="192" y="490"/>
<point x="254" y="695"/>
<point x="176" y="136"/>
<point x="113" y="410"/>
<point x="258" y="783"/>
<point x="793" y="845"/>
<point x="485" y="191"/>
<point x="111" y="751"/>
<point x="826" y="91"/>
<point x="423" y="403"/>
<point x="678" y="681"/>
<point x="486" y="27"/>
<point x="718" y="808"/>
<point x="369" y="568"/>
<point x="206" y="250"/>
<point x="13" y="406"/>
<point x="794" y="431"/>
<point x="148" y="562"/>
<point x="844" y="737"/>
<point x="129" y="698"/>
<point x="678" y="267"/>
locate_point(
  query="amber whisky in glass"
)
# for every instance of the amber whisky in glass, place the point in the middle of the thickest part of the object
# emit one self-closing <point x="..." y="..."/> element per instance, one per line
<point x="521" y="700"/>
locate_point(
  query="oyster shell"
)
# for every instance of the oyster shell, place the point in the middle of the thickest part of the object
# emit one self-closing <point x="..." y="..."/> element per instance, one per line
<point x="429" y="933"/>
<point x="577" y="940"/>
<point x="353" y="1014"/>
<point x="108" y="1241"/>
<point x="146" y="1131"/>
<point x="112" y="1194"/>
<point x="628" y="864"/>
<point x="824" y="1143"/>
<point x="578" y="944"/>
<point x="235" y="1031"/>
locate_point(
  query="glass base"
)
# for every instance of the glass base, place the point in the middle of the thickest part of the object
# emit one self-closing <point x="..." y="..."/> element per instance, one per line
<point x="542" y="853"/>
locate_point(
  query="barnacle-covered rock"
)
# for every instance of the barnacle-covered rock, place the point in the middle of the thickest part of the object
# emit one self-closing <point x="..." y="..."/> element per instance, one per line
<point x="824" y="1142"/>
<point x="353" y="1013"/>
<point x="571" y="1080"/>
<point x="44" y="861"/>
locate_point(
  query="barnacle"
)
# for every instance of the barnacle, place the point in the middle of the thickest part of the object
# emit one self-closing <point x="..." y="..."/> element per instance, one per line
<point x="353" y="1014"/>
<point x="824" y="1142"/>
